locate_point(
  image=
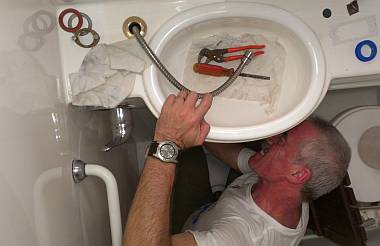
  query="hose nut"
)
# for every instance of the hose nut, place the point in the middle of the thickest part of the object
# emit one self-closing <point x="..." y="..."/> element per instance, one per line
<point x="134" y="21"/>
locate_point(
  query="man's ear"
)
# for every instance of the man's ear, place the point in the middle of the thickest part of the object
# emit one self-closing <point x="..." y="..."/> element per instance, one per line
<point x="299" y="174"/>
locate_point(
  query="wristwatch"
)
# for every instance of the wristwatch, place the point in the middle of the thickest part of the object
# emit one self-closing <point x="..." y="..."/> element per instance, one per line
<point x="166" y="151"/>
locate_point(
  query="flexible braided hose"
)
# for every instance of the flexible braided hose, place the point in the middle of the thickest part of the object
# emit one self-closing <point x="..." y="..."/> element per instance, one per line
<point x="244" y="61"/>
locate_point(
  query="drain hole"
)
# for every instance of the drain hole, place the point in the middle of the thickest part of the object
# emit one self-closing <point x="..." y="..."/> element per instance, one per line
<point x="134" y="24"/>
<point x="327" y="13"/>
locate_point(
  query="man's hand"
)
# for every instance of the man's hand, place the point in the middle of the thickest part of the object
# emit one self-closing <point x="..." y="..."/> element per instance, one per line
<point x="182" y="122"/>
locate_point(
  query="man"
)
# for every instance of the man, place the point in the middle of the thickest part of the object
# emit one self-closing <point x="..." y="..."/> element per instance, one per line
<point x="308" y="161"/>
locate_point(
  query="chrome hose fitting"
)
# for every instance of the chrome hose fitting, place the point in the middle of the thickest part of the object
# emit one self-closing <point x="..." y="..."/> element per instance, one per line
<point x="131" y="22"/>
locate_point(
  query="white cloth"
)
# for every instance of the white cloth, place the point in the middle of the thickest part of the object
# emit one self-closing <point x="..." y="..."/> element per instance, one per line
<point x="243" y="158"/>
<point x="236" y="220"/>
<point x="107" y="74"/>
<point x="272" y="63"/>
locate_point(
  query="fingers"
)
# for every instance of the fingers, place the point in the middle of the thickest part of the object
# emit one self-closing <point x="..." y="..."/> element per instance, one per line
<point x="182" y="118"/>
<point x="169" y="100"/>
<point x="191" y="100"/>
<point x="204" y="106"/>
<point x="204" y="130"/>
<point x="172" y="99"/>
<point x="180" y="99"/>
<point x="182" y="96"/>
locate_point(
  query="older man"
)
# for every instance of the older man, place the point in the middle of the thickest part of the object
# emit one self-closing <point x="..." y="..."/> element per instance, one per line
<point x="265" y="206"/>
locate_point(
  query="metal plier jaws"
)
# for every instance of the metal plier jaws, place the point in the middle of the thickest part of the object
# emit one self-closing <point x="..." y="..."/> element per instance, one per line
<point x="217" y="55"/>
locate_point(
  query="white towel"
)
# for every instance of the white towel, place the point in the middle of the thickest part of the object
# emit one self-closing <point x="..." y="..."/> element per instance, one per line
<point x="107" y="74"/>
<point x="272" y="63"/>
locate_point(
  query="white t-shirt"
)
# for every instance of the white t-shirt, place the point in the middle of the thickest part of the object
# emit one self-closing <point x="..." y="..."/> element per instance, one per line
<point x="235" y="219"/>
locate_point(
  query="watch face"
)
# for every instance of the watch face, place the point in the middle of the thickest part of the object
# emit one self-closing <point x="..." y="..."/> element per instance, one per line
<point x="167" y="151"/>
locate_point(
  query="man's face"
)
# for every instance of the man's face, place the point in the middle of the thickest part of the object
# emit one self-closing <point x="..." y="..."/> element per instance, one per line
<point x="275" y="162"/>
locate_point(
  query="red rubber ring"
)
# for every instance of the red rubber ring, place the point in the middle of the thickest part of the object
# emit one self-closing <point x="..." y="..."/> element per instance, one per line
<point x="66" y="28"/>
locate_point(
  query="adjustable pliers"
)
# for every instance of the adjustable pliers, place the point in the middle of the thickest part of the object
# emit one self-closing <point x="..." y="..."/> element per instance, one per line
<point x="217" y="55"/>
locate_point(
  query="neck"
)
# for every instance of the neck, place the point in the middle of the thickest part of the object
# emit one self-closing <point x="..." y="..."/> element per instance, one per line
<point x="282" y="204"/>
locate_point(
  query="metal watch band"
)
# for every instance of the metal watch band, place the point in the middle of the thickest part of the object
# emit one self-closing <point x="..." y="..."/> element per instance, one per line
<point x="155" y="149"/>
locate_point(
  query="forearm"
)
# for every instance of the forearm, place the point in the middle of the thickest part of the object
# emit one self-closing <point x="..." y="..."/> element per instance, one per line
<point x="148" y="220"/>
<point x="227" y="153"/>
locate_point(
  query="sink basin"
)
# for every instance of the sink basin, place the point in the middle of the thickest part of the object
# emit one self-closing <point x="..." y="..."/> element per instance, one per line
<point x="303" y="81"/>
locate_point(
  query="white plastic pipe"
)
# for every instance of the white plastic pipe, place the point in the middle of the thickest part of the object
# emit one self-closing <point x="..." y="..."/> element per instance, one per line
<point x="113" y="199"/>
<point x="41" y="218"/>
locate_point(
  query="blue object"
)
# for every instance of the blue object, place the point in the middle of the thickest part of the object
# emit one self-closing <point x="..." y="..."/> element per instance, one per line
<point x="359" y="54"/>
<point x="200" y="211"/>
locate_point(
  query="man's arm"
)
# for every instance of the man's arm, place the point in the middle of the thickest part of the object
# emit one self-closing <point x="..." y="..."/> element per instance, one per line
<point x="226" y="152"/>
<point x="182" y="122"/>
<point x="149" y="218"/>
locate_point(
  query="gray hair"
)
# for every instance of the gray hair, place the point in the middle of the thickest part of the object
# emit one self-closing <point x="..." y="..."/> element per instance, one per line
<point x="327" y="157"/>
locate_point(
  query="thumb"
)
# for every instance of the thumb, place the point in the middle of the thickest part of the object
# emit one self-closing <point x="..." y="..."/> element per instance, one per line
<point x="204" y="130"/>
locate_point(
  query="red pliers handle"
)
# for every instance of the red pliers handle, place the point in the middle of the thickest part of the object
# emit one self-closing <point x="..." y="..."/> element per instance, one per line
<point x="238" y="57"/>
<point x="248" y="47"/>
<point x="217" y="55"/>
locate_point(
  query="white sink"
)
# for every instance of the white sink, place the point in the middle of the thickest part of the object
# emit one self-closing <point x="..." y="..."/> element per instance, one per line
<point x="303" y="83"/>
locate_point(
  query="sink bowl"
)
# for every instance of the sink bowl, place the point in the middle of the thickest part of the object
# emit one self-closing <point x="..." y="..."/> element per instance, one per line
<point x="303" y="81"/>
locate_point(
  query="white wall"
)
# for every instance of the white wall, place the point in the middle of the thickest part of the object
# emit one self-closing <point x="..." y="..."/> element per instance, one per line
<point x="40" y="136"/>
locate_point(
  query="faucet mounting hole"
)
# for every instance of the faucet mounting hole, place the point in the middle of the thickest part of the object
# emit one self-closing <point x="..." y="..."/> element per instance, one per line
<point x="132" y="22"/>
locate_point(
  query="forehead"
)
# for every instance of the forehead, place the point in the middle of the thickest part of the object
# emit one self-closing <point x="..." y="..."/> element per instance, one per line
<point x="305" y="130"/>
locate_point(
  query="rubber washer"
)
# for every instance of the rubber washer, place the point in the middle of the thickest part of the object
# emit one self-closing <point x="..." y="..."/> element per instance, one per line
<point x="73" y="11"/>
<point x="359" y="54"/>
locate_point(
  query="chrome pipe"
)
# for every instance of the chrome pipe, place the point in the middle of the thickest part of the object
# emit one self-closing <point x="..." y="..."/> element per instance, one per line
<point x="122" y="125"/>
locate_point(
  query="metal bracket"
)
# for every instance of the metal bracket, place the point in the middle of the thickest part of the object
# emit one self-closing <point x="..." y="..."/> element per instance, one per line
<point x="78" y="170"/>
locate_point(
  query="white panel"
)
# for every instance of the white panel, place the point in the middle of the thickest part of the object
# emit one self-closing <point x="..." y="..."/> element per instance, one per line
<point x="40" y="136"/>
<point x="337" y="101"/>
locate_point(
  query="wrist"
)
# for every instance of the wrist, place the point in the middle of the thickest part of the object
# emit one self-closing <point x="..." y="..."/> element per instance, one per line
<point x="158" y="163"/>
<point x="160" y="138"/>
